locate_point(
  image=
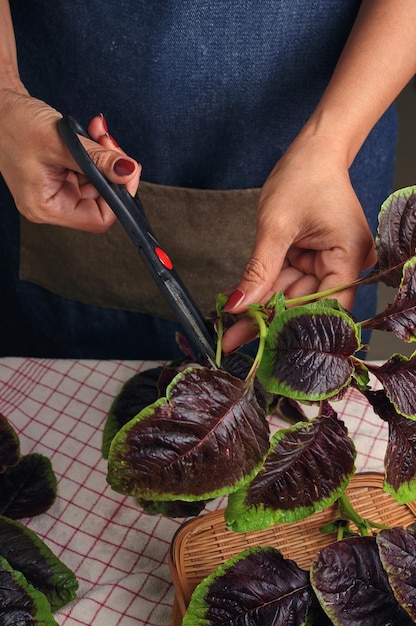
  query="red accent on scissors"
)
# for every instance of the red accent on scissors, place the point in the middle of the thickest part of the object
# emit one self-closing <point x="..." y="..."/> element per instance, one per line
<point x="163" y="258"/>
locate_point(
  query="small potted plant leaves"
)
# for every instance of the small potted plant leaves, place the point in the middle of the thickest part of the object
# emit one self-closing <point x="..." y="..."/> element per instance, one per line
<point x="180" y="435"/>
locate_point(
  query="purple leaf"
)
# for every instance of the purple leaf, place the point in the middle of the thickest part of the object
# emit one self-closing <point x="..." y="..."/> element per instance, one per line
<point x="399" y="317"/>
<point x="309" y="466"/>
<point x="9" y="444"/>
<point x="257" y="587"/>
<point x="352" y="586"/>
<point x="397" y="549"/>
<point x="207" y="437"/>
<point x="398" y="377"/>
<point x="396" y="237"/>
<point x="400" y="457"/>
<point x="308" y="352"/>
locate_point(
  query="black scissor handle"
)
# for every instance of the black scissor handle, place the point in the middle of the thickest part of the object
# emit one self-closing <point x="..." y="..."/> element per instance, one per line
<point x="129" y="211"/>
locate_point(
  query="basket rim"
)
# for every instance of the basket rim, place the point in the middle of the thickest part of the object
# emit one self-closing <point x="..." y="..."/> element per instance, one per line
<point x="205" y="523"/>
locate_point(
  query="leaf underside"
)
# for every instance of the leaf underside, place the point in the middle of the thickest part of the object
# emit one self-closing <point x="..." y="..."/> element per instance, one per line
<point x="308" y="468"/>
<point x="9" y="444"/>
<point x="204" y="439"/>
<point x="257" y="587"/>
<point x="28" y="488"/>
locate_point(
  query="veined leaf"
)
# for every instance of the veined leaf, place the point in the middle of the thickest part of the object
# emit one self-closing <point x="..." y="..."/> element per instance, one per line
<point x="9" y="445"/>
<point x="309" y="466"/>
<point x="352" y="586"/>
<point x="136" y="394"/>
<point x="397" y="549"/>
<point x="206" y="438"/>
<point x="400" y="457"/>
<point x="399" y="317"/>
<point x="28" y="488"/>
<point x="20" y="603"/>
<point x="28" y="554"/>
<point x="257" y="587"/>
<point x="398" y="377"/>
<point x="396" y="237"/>
<point x="308" y="352"/>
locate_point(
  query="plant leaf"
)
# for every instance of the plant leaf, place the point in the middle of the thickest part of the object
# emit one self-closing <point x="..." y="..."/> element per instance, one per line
<point x="400" y="457"/>
<point x="27" y="553"/>
<point x="20" y="603"/>
<point x="398" y="377"/>
<point x="399" y="317"/>
<point x="309" y="466"/>
<point x="257" y="587"/>
<point x="397" y="549"/>
<point x="395" y="240"/>
<point x="352" y="586"/>
<point x="28" y="488"/>
<point x="206" y="438"/>
<point x="137" y="393"/>
<point x="9" y="444"/>
<point x="308" y="351"/>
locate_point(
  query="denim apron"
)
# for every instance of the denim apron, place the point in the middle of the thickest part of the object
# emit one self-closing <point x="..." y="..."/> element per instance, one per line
<point x="206" y="95"/>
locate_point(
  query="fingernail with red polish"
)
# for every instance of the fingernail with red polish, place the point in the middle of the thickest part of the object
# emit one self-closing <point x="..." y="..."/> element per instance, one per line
<point x="234" y="300"/>
<point x="124" y="167"/>
<point x="104" y="122"/>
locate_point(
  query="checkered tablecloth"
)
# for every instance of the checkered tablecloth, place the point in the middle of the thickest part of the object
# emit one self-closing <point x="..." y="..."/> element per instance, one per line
<point x="118" y="553"/>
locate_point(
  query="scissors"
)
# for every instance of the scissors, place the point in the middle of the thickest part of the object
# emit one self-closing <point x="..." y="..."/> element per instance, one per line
<point x="130" y="213"/>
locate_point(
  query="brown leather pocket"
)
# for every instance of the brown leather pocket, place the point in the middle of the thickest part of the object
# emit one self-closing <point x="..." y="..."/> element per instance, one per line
<point x="208" y="234"/>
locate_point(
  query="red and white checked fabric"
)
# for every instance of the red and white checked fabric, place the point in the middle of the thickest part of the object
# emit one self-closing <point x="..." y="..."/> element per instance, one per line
<point x="117" y="552"/>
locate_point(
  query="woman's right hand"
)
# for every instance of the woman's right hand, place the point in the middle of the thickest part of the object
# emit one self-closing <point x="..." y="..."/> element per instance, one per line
<point x="46" y="183"/>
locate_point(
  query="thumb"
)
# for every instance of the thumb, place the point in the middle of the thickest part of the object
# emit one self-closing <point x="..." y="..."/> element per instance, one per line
<point x="259" y="276"/>
<point x="113" y="164"/>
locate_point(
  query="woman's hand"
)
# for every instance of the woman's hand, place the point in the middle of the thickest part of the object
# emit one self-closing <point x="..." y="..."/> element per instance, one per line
<point x="42" y="176"/>
<point x="311" y="234"/>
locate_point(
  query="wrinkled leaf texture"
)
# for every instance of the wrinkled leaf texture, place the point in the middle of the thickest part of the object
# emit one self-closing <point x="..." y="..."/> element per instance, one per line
<point x="28" y="554"/>
<point x="206" y="438"/>
<point x="397" y="549"/>
<point x="28" y="488"/>
<point x="352" y="585"/>
<point x="308" y="351"/>
<point x="398" y="377"/>
<point x="309" y="466"/>
<point x="399" y="317"/>
<point x="400" y="456"/>
<point x="257" y="587"/>
<point x="9" y="444"/>
<point x="396" y="236"/>
<point x="20" y="603"/>
<point x="136" y="394"/>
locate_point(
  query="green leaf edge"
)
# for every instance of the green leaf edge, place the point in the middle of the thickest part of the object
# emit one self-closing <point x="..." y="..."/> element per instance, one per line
<point x="71" y="584"/>
<point x="43" y="615"/>
<point x="240" y="518"/>
<point x="404" y="494"/>
<point x="269" y="382"/>
<point x="120" y="438"/>
<point x="198" y="606"/>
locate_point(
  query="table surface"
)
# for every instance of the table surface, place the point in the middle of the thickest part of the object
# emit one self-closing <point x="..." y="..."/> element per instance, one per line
<point x="117" y="552"/>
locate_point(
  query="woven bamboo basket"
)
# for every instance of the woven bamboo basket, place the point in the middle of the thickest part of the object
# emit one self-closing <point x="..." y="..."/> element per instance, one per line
<point x="204" y="543"/>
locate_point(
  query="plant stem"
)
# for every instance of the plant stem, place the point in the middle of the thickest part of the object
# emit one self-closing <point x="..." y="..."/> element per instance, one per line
<point x="220" y="335"/>
<point x="257" y="315"/>
<point x="347" y="511"/>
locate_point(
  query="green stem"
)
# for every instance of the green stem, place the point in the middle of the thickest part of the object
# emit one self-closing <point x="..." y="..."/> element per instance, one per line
<point x="220" y="335"/>
<point x="347" y="511"/>
<point x="262" y="340"/>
